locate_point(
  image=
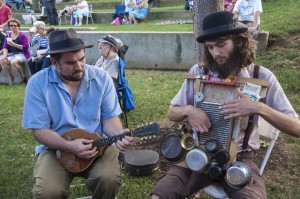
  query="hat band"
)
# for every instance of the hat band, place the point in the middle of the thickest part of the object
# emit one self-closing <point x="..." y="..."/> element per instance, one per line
<point x="66" y="44"/>
<point x="218" y="28"/>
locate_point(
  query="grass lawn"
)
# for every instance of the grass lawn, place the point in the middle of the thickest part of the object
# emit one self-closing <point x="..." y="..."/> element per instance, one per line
<point x="153" y="92"/>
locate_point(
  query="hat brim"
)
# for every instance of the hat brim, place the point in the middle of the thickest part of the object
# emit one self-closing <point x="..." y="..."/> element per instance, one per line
<point x="220" y="33"/>
<point x="68" y="49"/>
<point x="105" y="41"/>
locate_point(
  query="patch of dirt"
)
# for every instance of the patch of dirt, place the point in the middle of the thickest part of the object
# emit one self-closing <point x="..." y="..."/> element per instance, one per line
<point x="291" y="41"/>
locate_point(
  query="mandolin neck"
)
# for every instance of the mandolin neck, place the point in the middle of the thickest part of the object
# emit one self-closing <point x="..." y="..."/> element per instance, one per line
<point x="110" y="140"/>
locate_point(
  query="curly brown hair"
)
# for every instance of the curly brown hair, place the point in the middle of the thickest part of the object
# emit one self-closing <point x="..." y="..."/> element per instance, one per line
<point x="246" y="47"/>
<point x="13" y="20"/>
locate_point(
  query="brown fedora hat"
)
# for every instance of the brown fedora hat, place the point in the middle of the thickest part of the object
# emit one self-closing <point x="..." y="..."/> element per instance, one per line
<point x="61" y="41"/>
<point x="219" y="24"/>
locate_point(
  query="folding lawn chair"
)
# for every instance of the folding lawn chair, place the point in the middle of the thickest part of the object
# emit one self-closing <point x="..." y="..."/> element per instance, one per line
<point x="17" y="4"/>
<point x="119" y="11"/>
<point x="125" y="94"/>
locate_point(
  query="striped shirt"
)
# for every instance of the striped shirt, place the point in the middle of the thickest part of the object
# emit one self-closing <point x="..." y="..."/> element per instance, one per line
<point x="43" y="42"/>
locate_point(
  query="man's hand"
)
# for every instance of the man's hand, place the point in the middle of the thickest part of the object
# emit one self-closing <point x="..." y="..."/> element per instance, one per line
<point x="244" y="106"/>
<point x="198" y="119"/>
<point x="83" y="148"/>
<point x="125" y="142"/>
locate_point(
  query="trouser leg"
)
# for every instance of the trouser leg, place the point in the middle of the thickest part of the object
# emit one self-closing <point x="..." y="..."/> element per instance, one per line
<point x="51" y="180"/>
<point x="179" y="183"/>
<point x="103" y="177"/>
<point x="31" y="65"/>
<point x="39" y="65"/>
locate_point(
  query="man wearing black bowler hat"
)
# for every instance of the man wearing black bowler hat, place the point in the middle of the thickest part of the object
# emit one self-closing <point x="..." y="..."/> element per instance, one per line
<point x="228" y="51"/>
<point x="70" y="94"/>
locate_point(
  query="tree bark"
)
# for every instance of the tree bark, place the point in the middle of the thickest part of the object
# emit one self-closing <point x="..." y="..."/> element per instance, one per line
<point x="35" y="4"/>
<point x="201" y="9"/>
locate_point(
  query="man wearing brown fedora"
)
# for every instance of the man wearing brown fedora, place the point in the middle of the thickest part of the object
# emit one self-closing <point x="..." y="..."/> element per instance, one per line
<point x="229" y="51"/>
<point x="73" y="98"/>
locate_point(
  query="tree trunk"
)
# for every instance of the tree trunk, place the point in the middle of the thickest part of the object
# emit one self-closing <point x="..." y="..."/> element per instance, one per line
<point x="35" y="4"/>
<point x="201" y="9"/>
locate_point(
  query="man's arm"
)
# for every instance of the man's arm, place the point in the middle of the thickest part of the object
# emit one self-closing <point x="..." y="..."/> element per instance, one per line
<point x="281" y="121"/>
<point x="244" y="106"/>
<point x="197" y="118"/>
<point x="256" y="19"/>
<point x="113" y="127"/>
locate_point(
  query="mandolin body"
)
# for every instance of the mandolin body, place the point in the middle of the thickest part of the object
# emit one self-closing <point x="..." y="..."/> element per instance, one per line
<point x="74" y="164"/>
<point x="70" y="161"/>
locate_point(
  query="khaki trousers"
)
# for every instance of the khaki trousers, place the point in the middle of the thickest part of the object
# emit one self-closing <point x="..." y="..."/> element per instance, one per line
<point x="52" y="181"/>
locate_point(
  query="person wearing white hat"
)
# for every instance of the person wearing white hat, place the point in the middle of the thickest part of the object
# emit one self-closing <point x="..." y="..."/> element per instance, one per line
<point x="109" y="59"/>
<point x="40" y="38"/>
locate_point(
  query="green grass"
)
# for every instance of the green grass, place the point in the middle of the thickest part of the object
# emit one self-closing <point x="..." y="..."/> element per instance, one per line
<point x="153" y="92"/>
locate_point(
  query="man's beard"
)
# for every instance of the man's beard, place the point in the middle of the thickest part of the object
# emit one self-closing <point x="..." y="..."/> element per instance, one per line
<point x="232" y="66"/>
<point x="72" y="78"/>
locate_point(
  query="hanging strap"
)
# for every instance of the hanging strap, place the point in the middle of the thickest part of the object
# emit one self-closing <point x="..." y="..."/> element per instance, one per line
<point x="250" y="122"/>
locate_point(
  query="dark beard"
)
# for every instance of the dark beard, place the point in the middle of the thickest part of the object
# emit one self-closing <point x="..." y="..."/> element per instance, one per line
<point x="231" y="67"/>
<point x="71" y="78"/>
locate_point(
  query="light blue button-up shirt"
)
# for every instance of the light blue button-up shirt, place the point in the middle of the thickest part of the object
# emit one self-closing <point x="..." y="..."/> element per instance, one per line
<point x="48" y="103"/>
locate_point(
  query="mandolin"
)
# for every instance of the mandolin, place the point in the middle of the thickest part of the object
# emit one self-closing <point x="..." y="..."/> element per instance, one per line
<point x="74" y="164"/>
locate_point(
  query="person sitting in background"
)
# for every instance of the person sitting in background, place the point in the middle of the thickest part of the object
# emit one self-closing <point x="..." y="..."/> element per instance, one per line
<point x="109" y="59"/>
<point x="81" y="9"/>
<point x="47" y="62"/>
<point x="40" y="39"/>
<point x="5" y="15"/>
<point x="248" y="12"/>
<point x="15" y="51"/>
<point x="139" y="12"/>
<point x="128" y="7"/>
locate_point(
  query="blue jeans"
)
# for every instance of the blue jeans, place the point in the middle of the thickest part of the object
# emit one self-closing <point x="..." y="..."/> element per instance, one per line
<point x="51" y="12"/>
<point x="35" y="66"/>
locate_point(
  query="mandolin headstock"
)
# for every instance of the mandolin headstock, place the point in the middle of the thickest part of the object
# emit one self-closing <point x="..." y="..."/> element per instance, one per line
<point x="151" y="129"/>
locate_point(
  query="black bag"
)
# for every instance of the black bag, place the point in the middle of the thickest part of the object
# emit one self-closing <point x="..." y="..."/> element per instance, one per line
<point x="139" y="162"/>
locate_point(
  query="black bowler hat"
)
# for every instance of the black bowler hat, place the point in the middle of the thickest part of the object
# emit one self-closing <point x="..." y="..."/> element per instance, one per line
<point x="219" y="24"/>
<point x="61" y="41"/>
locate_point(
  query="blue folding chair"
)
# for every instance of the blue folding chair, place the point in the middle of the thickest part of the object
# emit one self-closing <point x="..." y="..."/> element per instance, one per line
<point x="17" y="4"/>
<point x="119" y="11"/>
<point x="125" y="94"/>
